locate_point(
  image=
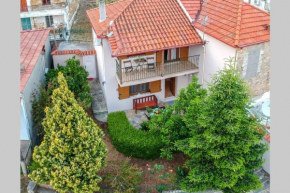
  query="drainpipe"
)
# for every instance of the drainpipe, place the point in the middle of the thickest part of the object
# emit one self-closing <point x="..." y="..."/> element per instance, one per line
<point x="235" y="61"/>
<point x="203" y="65"/>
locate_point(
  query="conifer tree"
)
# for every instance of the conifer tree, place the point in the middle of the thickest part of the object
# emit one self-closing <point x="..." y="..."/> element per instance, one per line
<point x="224" y="143"/>
<point x="72" y="151"/>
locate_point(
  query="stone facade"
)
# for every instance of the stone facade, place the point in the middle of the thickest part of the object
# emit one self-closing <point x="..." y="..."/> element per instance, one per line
<point x="253" y="62"/>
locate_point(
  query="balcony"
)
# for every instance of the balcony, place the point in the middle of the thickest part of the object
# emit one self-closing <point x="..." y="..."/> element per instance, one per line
<point x="42" y="7"/>
<point x="128" y="72"/>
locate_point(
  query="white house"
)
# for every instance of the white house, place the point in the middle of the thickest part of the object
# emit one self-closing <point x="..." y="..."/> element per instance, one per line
<point x="35" y="58"/>
<point x="144" y="49"/>
<point x="262" y="4"/>
<point x="84" y="52"/>
<point x="39" y="14"/>
<point x="234" y="29"/>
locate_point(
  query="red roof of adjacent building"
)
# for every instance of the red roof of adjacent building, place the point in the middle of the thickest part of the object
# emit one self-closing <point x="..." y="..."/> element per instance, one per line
<point x="31" y="44"/>
<point x="144" y="26"/>
<point x="233" y="22"/>
<point x="76" y="52"/>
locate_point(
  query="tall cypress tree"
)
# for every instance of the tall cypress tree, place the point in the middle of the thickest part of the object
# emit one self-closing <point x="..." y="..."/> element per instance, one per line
<point x="72" y="151"/>
<point x="224" y="143"/>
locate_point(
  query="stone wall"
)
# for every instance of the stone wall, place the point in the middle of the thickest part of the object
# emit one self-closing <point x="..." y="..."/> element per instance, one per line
<point x="253" y="62"/>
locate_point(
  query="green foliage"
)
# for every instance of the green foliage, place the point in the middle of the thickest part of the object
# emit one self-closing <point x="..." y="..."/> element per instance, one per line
<point x="180" y="174"/>
<point x="123" y="177"/>
<point x="131" y="141"/>
<point x="145" y="126"/>
<point x="161" y="188"/>
<point x="224" y="142"/>
<point x="33" y="166"/>
<point x="72" y="151"/>
<point x="38" y="106"/>
<point x="76" y="77"/>
<point x="170" y="122"/>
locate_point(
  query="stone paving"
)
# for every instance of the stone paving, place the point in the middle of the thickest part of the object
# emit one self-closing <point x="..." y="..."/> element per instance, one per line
<point x="99" y="104"/>
<point x="137" y="118"/>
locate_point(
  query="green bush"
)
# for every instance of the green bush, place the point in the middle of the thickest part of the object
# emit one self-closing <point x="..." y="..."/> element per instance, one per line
<point x="130" y="141"/>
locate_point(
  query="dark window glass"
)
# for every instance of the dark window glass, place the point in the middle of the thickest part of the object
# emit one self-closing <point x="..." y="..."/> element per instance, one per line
<point x="138" y="88"/>
<point x="49" y="21"/>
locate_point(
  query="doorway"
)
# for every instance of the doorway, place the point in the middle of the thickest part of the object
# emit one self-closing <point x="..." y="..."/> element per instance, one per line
<point x="169" y="87"/>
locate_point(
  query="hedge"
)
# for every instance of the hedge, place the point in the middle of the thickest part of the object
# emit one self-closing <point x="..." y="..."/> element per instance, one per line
<point x="131" y="141"/>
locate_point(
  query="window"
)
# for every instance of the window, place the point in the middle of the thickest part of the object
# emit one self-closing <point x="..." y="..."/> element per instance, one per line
<point x="26" y="23"/>
<point x="171" y="54"/>
<point x="139" y="88"/>
<point x="45" y="2"/>
<point x="49" y="21"/>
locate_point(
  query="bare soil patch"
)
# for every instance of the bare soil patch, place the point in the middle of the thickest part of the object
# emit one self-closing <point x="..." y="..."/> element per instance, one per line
<point x="148" y="179"/>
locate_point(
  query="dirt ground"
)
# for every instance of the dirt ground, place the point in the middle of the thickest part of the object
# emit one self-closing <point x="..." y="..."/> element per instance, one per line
<point x="81" y="30"/>
<point x="23" y="184"/>
<point x="148" y="179"/>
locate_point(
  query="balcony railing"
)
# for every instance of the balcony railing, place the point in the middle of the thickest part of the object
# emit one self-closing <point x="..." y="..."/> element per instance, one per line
<point x="144" y="71"/>
<point x="43" y="7"/>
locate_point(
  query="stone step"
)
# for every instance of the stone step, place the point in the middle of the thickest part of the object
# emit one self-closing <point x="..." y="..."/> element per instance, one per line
<point x="103" y="117"/>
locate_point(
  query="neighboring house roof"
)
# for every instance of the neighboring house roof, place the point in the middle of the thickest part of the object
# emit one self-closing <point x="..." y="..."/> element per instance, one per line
<point x="233" y="22"/>
<point x="142" y="26"/>
<point x="80" y="49"/>
<point x="76" y="52"/>
<point x="31" y="44"/>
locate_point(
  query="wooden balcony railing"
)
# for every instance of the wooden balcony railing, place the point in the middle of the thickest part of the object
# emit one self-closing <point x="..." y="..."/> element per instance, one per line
<point x="43" y="7"/>
<point x="139" y="72"/>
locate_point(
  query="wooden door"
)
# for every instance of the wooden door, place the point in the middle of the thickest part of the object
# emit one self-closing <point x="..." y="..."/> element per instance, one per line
<point x="172" y="86"/>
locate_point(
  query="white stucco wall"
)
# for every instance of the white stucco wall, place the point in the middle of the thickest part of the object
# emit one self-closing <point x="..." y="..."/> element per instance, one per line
<point x="35" y="80"/>
<point x="61" y="59"/>
<point x="216" y="52"/>
<point x="266" y="156"/>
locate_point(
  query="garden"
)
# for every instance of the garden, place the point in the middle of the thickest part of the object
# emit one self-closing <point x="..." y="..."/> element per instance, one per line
<point x="204" y="141"/>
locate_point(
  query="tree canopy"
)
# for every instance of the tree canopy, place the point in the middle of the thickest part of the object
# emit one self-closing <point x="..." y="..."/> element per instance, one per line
<point x="72" y="151"/>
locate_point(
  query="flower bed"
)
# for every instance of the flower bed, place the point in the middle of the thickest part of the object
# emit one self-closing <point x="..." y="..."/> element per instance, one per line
<point x="130" y="141"/>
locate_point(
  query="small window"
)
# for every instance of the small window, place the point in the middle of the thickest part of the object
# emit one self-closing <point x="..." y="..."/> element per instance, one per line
<point x="46" y="2"/>
<point x="138" y="88"/>
<point x="26" y="23"/>
<point x="49" y="21"/>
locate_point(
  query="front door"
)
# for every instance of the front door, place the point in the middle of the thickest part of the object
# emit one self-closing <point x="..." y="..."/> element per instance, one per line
<point x="169" y="87"/>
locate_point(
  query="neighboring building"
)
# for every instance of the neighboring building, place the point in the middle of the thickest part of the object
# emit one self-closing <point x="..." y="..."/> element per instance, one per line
<point x="235" y="29"/>
<point x="35" y="58"/>
<point x="84" y="52"/>
<point x="261" y="108"/>
<point x="39" y="14"/>
<point x="262" y="4"/>
<point x="144" y="48"/>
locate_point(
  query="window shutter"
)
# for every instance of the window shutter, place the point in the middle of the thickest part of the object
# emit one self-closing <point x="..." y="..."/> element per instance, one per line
<point x="155" y="86"/>
<point x="184" y="52"/>
<point x="124" y="92"/>
<point x="159" y="58"/>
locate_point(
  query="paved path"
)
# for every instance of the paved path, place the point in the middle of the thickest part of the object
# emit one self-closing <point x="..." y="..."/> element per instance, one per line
<point x="99" y="104"/>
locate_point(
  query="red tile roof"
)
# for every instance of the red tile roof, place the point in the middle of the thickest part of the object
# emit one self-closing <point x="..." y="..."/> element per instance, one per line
<point x="144" y="26"/>
<point x="76" y="52"/>
<point x="31" y="44"/>
<point x="233" y="22"/>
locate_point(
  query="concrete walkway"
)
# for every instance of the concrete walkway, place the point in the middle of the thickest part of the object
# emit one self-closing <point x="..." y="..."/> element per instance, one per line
<point x="99" y="104"/>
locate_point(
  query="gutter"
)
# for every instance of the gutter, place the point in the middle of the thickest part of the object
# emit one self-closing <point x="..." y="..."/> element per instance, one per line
<point x="159" y="49"/>
<point x="251" y="44"/>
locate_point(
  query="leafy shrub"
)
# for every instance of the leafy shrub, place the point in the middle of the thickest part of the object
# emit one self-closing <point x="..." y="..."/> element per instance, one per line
<point x="33" y="166"/>
<point x="144" y="126"/>
<point x="130" y="141"/>
<point x="123" y="177"/>
<point x="77" y="80"/>
<point x="180" y="174"/>
<point x="72" y="151"/>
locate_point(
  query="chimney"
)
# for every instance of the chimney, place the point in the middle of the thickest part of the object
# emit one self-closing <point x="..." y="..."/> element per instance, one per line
<point x="102" y="10"/>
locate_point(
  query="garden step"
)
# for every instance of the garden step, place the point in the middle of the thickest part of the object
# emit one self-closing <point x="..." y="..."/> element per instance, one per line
<point x="101" y="117"/>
